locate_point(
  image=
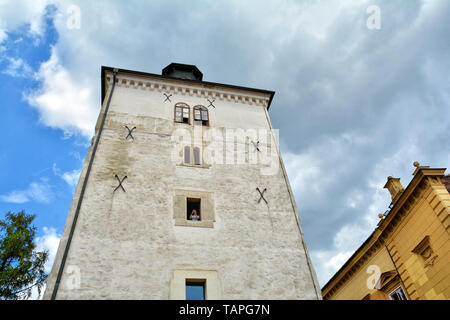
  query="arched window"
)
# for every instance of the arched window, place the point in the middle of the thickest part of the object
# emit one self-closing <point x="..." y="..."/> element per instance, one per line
<point x="201" y="116"/>
<point x="182" y="113"/>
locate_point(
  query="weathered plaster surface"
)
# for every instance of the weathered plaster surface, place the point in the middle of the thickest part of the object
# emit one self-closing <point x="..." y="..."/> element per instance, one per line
<point x="127" y="244"/>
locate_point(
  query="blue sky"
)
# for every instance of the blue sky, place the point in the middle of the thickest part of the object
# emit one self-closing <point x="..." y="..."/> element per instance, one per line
<point x="353" y="105"/>
<point x="37" y="162"/>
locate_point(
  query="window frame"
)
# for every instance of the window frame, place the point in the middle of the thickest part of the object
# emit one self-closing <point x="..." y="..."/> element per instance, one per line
<point x="394" y="291"/>
<point x="195" y="282"/>
<point x="201" y="109"/>
<point x="182" y="106"/>
<point x="189" y="203"/>
<point x="192" y="156"/>
<point x="177" y="283"/>
<point x="189" y="157"/>
<point x="194" y="149"/>
<point x="206" y="212"/>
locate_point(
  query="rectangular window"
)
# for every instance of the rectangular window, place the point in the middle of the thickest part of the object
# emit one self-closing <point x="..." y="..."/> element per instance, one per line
<point x="195" y="289"/>
<point x="182" y="113"/>
<point x="185" y="115"/>
<point x="197" y="114"/>
<point x="178" y="116"/>
<point x="193" y="209"/>
<point x="398" y="294"/>
<point x="192" y="155"/>
<point x="187" y="155"/>
<point x="201" y="116"/>
<point x="197" y="156"/>
<point x="185" y="201"/>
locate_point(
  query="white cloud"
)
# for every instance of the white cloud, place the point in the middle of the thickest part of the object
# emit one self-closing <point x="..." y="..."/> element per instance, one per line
<point x="62" y="102"/>
<point x="48" y="242"/>
<point x="40" y="192"/>
<point x="18" y="68"/>
<point x="327" y="262"/>
<point x="71" y="177"/>
<point x="304" y="172"/>
<point x="15" y="14"/>
<point x="3" y="36"/>
<point x="345" y="242"/>
<point x="17" y="196"/>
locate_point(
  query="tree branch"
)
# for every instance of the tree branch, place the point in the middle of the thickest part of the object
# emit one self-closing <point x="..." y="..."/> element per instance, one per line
<point x="37" y="283"/>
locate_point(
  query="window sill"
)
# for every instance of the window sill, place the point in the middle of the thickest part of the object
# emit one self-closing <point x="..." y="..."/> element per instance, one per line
<point x="190" y="223"/>
<point x="204" y="166"/>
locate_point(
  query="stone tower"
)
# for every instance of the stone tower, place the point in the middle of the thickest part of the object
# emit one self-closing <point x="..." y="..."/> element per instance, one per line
<point x="183" y="185"/>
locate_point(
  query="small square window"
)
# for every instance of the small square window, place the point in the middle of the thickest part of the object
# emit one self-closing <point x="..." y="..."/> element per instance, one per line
<point x="398" y="294"/>
<point x="195" y="289"/>
<point x="186" y="201"/>
<point x="193" y="209"/>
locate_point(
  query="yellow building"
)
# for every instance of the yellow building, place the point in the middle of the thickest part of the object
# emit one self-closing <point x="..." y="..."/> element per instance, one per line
<point x="408" y="254"/>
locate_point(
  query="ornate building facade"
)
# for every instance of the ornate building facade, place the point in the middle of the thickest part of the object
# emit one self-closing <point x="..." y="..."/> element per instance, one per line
<point x="408" y="254"/>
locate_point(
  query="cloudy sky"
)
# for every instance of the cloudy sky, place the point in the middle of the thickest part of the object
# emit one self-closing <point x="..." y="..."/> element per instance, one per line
<point x="357" y="98"/>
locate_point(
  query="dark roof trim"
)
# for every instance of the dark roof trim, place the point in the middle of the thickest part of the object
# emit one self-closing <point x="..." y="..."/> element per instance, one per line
<point x="185" y="67"/>
<point x="146" y="74"/>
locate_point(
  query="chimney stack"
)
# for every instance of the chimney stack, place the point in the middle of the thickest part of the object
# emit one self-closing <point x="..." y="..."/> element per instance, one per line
<point x="395" y="187"/>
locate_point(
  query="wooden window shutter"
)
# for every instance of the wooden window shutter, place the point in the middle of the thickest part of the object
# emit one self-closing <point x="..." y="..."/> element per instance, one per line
<point x="207" y="208"/>
<point x="179" y="207"/>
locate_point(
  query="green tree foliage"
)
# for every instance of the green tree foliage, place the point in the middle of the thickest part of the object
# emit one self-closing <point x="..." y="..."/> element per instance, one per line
<point x="21" y="267"/>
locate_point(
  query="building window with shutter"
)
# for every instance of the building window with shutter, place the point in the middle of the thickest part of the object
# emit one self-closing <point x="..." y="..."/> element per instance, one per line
<point x="201" y="116"/>
<point x="182" y="113"/>
<point x="189" y="203"/>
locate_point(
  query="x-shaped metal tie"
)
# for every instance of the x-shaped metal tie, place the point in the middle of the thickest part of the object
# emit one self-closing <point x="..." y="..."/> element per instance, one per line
<point x="129" y="132"/>
<point x="262" y="195"/>
<point x="167" y="97"/>
<point x="256" y="146"/>
<point x="120" y="183"/>
<point x="211" y="103"/>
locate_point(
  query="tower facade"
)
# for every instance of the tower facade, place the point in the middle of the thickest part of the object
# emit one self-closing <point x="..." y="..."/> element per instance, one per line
<point x="183" y="186"/>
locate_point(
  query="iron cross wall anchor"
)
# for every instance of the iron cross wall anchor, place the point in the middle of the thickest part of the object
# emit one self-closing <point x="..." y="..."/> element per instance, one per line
<point x="261" y="195"/>
<point x="120" y="183"/>
<point x="211" y="103"/>
<point x="256" y="146"/>
<point x="129" y="132"/>
<point x="167" y="97"/>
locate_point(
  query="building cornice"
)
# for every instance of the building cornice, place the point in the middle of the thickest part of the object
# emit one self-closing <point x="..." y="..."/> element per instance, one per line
<point x="202" y="89"/>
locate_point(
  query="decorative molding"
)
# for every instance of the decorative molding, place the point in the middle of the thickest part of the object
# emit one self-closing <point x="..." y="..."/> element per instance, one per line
<point x="424" y="250"/>
<point x="177" y="89"/>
